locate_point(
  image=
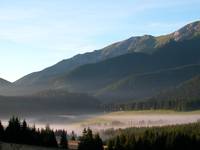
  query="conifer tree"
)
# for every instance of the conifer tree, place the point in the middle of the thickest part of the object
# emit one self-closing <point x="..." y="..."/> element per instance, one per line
<point x="63" y="140"/>
<point x="1" y="131"/>
<point x="98" y="143"/>
<point x="73" y="137"/>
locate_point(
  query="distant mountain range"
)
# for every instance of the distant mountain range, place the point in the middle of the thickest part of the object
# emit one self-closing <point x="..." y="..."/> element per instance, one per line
<point x="134" y="69"/>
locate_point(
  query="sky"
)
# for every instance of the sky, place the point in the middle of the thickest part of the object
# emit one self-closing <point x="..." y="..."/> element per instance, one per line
<point x="35" y="34"/>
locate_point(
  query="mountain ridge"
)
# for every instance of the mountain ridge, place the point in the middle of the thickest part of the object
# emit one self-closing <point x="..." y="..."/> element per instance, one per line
<point x="4" y="83"/>
<point x="97" y="75"/>
<point x="144" y="44"/>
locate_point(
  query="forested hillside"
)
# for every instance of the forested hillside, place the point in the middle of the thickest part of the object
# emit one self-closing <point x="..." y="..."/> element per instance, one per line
<point x="49" y="102"/>
<point x="157" y="138"/>
<point x="184" y="97"/>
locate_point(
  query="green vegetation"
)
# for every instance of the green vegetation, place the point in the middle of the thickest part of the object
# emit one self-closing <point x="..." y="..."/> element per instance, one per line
<point x="54" y="102"/>
<point x="156" y="138"/>
<point x="73" y="136"/>
<point x="88" y="141"/>
<point x="148" y="84"/>
<point x="184" y="97"/>
<point x="162" y="40"/>
<point x="183" y="104"/>
<point x="171" y="137"/>
<point x="20" y="133"/>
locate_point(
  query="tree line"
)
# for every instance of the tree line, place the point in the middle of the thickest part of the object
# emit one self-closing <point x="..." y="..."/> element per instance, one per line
<point x="90" y="141"/>
<point x="178" y="104"/>
<point x="19" y="132"/>
<point x="157" y="138"/>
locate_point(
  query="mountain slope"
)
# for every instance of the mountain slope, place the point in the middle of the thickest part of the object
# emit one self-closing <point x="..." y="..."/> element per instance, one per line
<point x="188" y="90"/>
<point x="4" y="83"/>
<point x="183" y="97"/>
<point x="185" y="33"/>
<point x="186" y="96"/>
<point x="134" y="44"/>
<point x="92" y="77"/>
<point x="51" y="102"/>
<point x="141" y="86"/>
<point x="145" y="44"/>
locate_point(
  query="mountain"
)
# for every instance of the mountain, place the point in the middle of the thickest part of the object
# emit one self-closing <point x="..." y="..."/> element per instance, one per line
<point x="42" y="80"/>
<point x="140" y="86"/>
<point x="4" y="83"/>
<point x="185" y="96"/>
<point x="136" y="68"/>
<point x="93" y="77"/>
<point x="186" y="90"/>
<point x="142" y="44"/>
<point x="185" y="33"/>
<point x="135" y="44"/>
<point x="49" y="102"/>
<point x="182" y="97"/>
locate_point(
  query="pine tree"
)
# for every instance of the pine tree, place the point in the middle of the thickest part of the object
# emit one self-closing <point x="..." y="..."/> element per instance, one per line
<point x="63" y="140"/>
<point x="24" y="133"/>
<point x="98" y="143"/>
<point x="1" y="131"/>
<point x="110" y="144"/>
<point x="13" y="130"/>
<point x="117" y="144"/>
<point x="73" y="137"/>
<point x="86" y="140"/>
<point x="24" y="125"/>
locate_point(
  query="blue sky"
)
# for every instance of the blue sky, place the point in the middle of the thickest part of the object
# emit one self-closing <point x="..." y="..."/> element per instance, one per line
<point x="35" y="34"/>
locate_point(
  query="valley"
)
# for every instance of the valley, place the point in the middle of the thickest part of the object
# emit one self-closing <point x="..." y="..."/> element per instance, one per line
<point x="144" y="82"/>
<point x="99" y="122"/>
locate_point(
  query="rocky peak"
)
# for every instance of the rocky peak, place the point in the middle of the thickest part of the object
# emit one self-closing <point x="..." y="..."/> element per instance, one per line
<point x="187" y="31"/>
